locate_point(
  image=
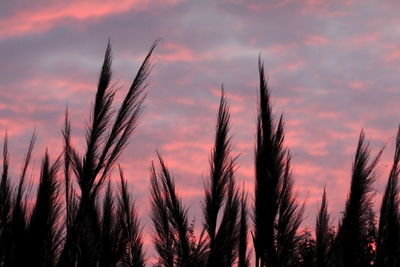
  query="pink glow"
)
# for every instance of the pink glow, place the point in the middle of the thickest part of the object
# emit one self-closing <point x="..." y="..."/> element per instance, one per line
<point x="45" y="18"/>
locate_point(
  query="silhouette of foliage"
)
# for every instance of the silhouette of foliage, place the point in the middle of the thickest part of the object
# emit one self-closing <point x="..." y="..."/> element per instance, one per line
<point x="244" y="255"/>
<point x="387" y="243"/>
<point x="131" y="236"/>
<point x="355" y="233"/>
<point x="102" y="151"/>
<point x="171" y="224"/>
<point x="323" y="233"/>
<point x="100" y="226"/>
<point x="306" y="249"/>
<point x="221" y="188"/>
<point x="6" y="202"/>
<point x="43" y="231"/>
<point x="276" y="214"/>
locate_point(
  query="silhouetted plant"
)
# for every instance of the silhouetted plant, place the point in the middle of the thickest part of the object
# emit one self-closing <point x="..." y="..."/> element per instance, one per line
<point x="244" y="255"/>
<point x="131" y="236"/>
<point x="99" y="227"/>
<point x="219" y="189"/>
<point x="276" y="213"/>
<point x="354" y="234"/>
<point x="323" y="234"/>
<point x="43" y="231"/>
<point x="163" y="237"/>
<point x="171" y="222"/>
<point x="111" y="250"/>
<point x="102" y="152"/>
<point x="227" y="238"/>
<point x="19" y="221"/>
<point x="6" y="202"/>
<point x="305" y="250"/>
<point x="290" y="216"/>
<point x="387" y="243"/>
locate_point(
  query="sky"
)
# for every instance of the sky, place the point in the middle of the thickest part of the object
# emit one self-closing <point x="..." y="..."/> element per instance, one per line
<point x="333" y="67"/>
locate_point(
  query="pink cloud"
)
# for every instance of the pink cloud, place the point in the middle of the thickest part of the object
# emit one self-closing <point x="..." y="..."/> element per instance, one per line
<point x="364" y="39"/>
<point x="280" y="49"/>
<point x="393" y="56"/>
<point x="43" y="19"/>
<point x="177" y="52"/>
<point x="316" y="40"/>
<point x="183" y="101"/>
<point x="288" y="67"/>
<point x="357" y="85"/>
<point x="323" y="8"/>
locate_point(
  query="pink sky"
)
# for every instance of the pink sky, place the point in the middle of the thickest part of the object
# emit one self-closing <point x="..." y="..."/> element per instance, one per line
<point x="333" y="67"/>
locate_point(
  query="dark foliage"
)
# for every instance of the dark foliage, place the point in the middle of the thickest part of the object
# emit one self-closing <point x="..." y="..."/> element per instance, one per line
<point x="103" y="149"/>
<point x="163" y="237"/>
<point x="387" y="243"/>
<point x="131" y="236"/>
<point x="323" y="234"/>
<point x="172" y="231"/>
<point x="100" y="227"/>
<point x="356" y="230"/>
<point x="221" y="188"/>
<point x="269" y="164"/>
<point x="43" y="232"/>
<point x="290" y="216"/>
<point x="227" y="238"/>
<point x="6" y="200"/>
<point x="244" y="255"/>
<point x="111" y="250"/>
<point x="305" y="252"/>
<point x="216" y="188"/>
<point x="19" y="223"/>
<point x="277" y="214"/>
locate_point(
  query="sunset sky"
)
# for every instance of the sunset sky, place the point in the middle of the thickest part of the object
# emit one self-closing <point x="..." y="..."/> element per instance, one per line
<point x="333" y="67"/>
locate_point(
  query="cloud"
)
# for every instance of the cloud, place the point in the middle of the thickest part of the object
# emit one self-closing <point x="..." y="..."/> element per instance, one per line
<point x="46" y="16"/>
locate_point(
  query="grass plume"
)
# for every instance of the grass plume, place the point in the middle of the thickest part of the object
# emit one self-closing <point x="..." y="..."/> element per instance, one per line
<point x="387" y="245"/>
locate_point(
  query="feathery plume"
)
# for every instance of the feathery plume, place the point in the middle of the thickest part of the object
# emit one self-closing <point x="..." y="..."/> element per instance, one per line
<point x="387" y="245"/>
<point x="102" y="152"/>
<point x="163" y="234"/>
<point x="351" y="239"/>
<point x="6" y="203"/>
<point x="290" y="217"/>
<point x="131" y="231"/>
<point x="244" y="256"/>
<point x="269" y="169"/>
<point x="43" y="231"/>
<point x="322" y="234"/>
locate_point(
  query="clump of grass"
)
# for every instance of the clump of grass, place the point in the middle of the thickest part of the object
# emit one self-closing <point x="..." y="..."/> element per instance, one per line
<point x="99" y="227"/>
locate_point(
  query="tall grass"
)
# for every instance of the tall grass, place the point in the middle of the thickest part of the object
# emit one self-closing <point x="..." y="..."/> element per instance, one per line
<point x="323" y="234"/>
<point x="352" y="239"/>
<point x="277" y="215"/>
<point x="78" y="217"/>
<point x="387" y="243"/>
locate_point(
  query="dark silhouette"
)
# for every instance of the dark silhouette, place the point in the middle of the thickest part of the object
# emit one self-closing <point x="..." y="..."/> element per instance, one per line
<point x="305" y="250"/>
<point x="387" y="242"/>
<point x="351" y="244"/>
<point x="244" y="255"/>
<point x="323" y="234"/>
<point x="221" y="188"/>
<point x="277" y="215"/>
<point x="95" y="222"/>
<point x="19" y="221"/>
<point x="43" y="233"/>
<point x="176" y="228"/>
